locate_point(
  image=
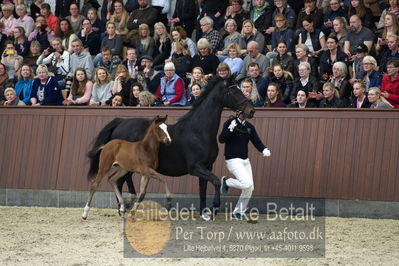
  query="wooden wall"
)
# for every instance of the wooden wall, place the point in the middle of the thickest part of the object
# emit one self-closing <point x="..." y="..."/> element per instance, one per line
<point x="341" y="154"/>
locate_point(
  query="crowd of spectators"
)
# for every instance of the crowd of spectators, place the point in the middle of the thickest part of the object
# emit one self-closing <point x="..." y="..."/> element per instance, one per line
<point x="282" y="53"/>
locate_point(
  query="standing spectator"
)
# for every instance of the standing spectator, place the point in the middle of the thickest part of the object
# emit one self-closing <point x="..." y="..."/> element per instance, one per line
<point x="80" y="90"/>
<point x="90" y="38"/>
<point x="274" y="96"/>
<point x="184" y="15"/>
<point x="376" y="100"/>
<point x="45" y="89"/>
<point x="360" y="100"/>
<point x="372" y="78"/>
<point x="254" y="56"/>
<point x="209" y="33"/>
<point x="75" y="18"/>
<point x="163" y="44"/>
<point x="20" y="41"/>
<point x="102" y="88"/>
<point x="80" y="58"/>
<point x="171" y="91"/>
<point x="23" y="87"/>
<point x="390" y="83"/>
<point x="356" y="36"/>
<point x="205" y="58"/>
<point x="24" y="21"/>
<point x="66" y="33"/>
<point x="51" y="20"/>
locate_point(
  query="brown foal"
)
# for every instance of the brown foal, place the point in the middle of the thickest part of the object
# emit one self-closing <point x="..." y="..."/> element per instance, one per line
<point x="119" y="157"/>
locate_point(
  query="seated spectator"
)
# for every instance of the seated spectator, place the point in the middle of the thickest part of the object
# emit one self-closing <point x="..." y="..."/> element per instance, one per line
<point x="102" y="87"/>
<point x="335" y="11"/>
<point x="301" y="100"/>
<point x="181" y="58"/>
<point x="7" y="22"/>
<point x="391" y="27"/>
<point x="42" y="33"/>
<point x="357" y="7"/>
<point x="307" y="83"/>
<point x="119" y="17"/>
<point x="108" y="61"/>
<point x="392" y="52"/>
<point x="75" y="18"/>
<point x="87" y="5"/>
<point x="183" y="15"/>
<point x="116" y="100"/>
<point x="5" y="82"/>
<point x="236" y="12"/>
<point x="274" y="96"/>
<point x="390" y="83"/>
<point x="331" y="97"/>
<point x="212" y="35"/>
<point x="24" y="21"/>
<point x="80" y="58"/>
<point x="66" y="33"/>
<point x="330" y="56"/>
<point x="97" y="25"/>
<point x="163" y="44"/>
<point x="56" y="61"/>
<point x="223" y="70"/>
<point x="134" y="96"/>
<point x="90" y="38"/>
<point x="35" y="8"/>
<point x="205" y="59"/>
<point x="196" y="77"/>
<point x="250" y="34"/>
<point x="62" y="8"/>
<point x="248" y="88"/>
<point x="80" y="90"/>
<point x="23" y="87"/>
<point x="360" y="100"/>
<point x="393" y="9"/>
<point x="195" y="93"/>
<point x="282" y="33"/>
<point x="145" y="44"/>
<point x="312" y="10"/>
<point x="171" y="91"/>
<point x="356" y="36"/>
<point x="233" y="37"/>
<point x="284" y="80"/>
<point x="20" y="41"/>
<point x="254" y="56"/>
<point x="357" y="66"/>
<point x="112" y="40"/>
<point x="12" y="98"/>
<point x="376" y="100"/>
<point x="283" y="8"/>
<point x="283" y="58"/>
<point x="340" y="30"/>
<point x="45" y="89"/>
<point x="302" y="56"/>
<point x="131" y="61"/>
<point x="261" y="15"/>
<point x="147" y="75"/>
<point x="340" y="80"/>
<point x="312" y="37"/>
<point x="372" y="77"/>
<point x="33" y="55"/>
<point x="123" y="83"/>
<point x="178" y="33"/>
<point x="148" y="99"/>
<point x="233" y="60"/>
<point x="51" y="20"/>
<point x="11" y="59"/>
<point x="261" y="83"/>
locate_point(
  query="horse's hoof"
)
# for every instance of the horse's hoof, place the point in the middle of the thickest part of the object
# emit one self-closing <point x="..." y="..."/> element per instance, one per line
<point x="84" y="217"/>
<point x="206" y="217"/>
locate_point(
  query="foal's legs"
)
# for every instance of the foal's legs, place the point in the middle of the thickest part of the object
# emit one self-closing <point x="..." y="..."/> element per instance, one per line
<point x="112" y="180"/>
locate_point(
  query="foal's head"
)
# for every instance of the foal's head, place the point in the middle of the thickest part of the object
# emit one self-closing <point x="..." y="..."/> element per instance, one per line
<point x="160" y="129"/>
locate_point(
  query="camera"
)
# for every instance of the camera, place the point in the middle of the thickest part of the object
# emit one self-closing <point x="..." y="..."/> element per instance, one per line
<point x="68" y="83"/>
<point x="140" y="68"/>
<point x="9" y="52"/>
<point x="51" y="50"/>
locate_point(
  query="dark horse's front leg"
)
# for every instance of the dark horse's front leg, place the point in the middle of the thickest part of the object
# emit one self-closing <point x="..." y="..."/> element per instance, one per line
<point x="206" y="175"/>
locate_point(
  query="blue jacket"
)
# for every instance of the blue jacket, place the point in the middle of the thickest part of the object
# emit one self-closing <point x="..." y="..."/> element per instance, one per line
<point x="51" y="94"/>
<point x="168" y="91"/>
<point x="23" y="90"/>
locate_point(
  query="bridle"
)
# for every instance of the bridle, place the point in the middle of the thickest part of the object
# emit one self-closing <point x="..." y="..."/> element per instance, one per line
<point x="237" y="104"/>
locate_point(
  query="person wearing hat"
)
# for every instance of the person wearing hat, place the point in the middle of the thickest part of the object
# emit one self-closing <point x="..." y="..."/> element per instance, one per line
<point x="146" y="75"/>
<point x="357" y="66"/>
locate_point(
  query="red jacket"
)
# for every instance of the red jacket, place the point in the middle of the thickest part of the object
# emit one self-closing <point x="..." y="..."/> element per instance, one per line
<point x="392" y="87"/>
<point x="52" y="22"/>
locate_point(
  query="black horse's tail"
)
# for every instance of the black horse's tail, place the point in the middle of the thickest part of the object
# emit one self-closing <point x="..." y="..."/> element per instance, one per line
<point x="103" y="137"/>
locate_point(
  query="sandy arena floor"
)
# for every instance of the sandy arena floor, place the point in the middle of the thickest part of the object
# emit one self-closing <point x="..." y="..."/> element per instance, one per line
<point x="51" y="236"/>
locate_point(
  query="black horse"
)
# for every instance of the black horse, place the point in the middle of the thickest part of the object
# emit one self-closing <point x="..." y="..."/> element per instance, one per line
<point x="194" y="147"/>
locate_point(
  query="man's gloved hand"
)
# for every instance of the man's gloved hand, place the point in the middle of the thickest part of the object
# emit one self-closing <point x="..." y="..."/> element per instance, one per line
<point x="266" y="152"/>
<point x="232" y="125"/>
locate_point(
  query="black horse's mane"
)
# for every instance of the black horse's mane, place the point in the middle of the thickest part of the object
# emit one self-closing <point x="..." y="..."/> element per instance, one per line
<point x="212" y="83"/>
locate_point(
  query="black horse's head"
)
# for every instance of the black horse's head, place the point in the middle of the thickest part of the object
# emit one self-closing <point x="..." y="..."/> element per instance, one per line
<point x="235" y="99"/>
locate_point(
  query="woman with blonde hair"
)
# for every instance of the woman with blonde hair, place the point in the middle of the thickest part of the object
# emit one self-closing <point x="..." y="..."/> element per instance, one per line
<point x="12" y="98"/>
<point x="102" y="88"/>
<point x="285" y="81"/>
<point x="248" y="88"/>
<point x="163" y="44"/>
<point x="123" y="83"/>
<point x="233" y="60"/>
<point x="45" y="89"/>
<point x="178" y="33"/>
<point x="80" y="90"/>
<point x="249" y="33"/>
<point x="391" y="27"/>
<point x="145" y="45"/>
<point x="197" y="76"/>
<point x="120" y="17"/>
<point x="20" y="41"/>
<point x="205" y="59"/>
<point x="376" y="100"/>
<point x="181" y="58"/>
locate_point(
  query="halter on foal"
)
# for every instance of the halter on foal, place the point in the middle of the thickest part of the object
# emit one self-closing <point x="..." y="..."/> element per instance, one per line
<point x="119" y="157"/>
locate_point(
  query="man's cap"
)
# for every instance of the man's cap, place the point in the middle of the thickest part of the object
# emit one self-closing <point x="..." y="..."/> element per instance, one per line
<point x="362" y="48"/>
<point x="148" y="57"/>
